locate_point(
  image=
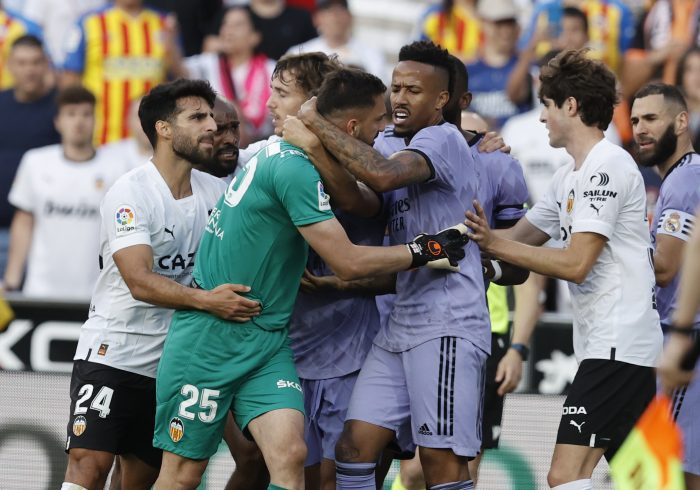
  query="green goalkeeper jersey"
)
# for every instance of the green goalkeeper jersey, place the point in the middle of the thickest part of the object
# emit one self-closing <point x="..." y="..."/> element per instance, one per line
<point x="251" y="237"/>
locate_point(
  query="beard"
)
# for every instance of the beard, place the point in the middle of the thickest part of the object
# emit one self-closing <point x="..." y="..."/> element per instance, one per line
<point x="187" y="150"/>
<point x="664" y="148"/>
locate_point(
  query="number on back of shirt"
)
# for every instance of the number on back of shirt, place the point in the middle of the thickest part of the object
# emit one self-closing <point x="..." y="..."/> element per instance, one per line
<point x="100" y="402"/>
<point x="192" y="396"/>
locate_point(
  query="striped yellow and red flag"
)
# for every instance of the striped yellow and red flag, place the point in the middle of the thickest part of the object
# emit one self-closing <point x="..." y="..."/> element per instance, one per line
<point x="651" y="456"/>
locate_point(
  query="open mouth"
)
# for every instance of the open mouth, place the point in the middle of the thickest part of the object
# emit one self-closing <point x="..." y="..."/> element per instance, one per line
<point x="227" y="154"/>
<point x="400" y="115"/>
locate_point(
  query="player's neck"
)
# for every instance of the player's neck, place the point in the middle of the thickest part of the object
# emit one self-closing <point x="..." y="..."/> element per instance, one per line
<point x="683" y="147"/>
<point x="579" y="146"/>
<point x="176" y="172"/>
<point x="78" y="153"/>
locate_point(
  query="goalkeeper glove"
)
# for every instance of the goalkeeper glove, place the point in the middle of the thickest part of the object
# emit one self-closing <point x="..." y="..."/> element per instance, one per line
<point x="443" y="250"/>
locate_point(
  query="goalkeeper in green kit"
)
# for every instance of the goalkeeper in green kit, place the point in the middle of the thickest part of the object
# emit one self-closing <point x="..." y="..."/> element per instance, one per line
<point x="258" y="235"/>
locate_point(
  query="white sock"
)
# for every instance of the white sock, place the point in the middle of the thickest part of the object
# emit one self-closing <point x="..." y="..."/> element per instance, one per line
<point x="586" y="484"/>
<point x="71" y="486"/>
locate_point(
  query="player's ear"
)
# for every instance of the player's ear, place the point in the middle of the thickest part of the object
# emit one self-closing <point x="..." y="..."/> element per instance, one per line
<point x="352" y="127"/>
<point x="442" y="99"/>
<point x="163" y="129"/>
<point x="681" y="122"/>
<point x="571" y="106"/>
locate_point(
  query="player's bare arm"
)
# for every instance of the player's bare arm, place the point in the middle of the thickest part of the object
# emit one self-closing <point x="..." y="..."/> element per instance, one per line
<point x="368" y="165"/>
<point x="668" y="257"/>
<point x="347" y="193"/>
<point x="135" y="266"/>
<point x="570" y="264"/>
<point x="372" y="286"/>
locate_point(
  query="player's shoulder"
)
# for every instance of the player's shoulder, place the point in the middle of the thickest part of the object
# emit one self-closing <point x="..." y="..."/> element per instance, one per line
<point x="210" y="183"/>
<point x="685" y="173"/>
<point x="610" y="157"/>
<point x="138" y="183"/>
<point x="439" y="134"/>
<point x="45" y="155"/>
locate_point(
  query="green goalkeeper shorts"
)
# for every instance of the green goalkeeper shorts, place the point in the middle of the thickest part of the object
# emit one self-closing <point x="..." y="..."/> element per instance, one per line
<point x="210" y="366"/>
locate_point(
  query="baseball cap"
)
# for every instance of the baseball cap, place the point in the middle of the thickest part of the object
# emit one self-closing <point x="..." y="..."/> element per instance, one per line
<point x="495" y="10"/>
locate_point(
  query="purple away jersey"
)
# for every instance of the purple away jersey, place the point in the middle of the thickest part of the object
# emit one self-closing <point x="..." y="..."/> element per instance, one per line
<point x="331" y="332"/>
<point x="433" y="303"/>
<point x="674" y="215"/>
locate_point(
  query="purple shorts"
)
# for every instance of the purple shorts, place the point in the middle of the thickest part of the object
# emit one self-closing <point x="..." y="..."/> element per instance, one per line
<point x="326" y="404"/>
<point x="431" y="395"/>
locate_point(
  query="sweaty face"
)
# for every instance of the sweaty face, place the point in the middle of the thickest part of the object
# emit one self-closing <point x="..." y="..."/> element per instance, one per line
<point x="372" y="121"/>
<point x="193" y="130"/>
<point x="285" y="100"/>
<point x="415" y="90"/>
<point x="653" y="130"/>
<point x="75" y="123"/>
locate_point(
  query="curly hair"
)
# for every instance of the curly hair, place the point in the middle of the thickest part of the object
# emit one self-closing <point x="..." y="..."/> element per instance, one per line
<point x="308" y="69"/>
<point x="429" y="53"/>
<point x="590" y="82"/>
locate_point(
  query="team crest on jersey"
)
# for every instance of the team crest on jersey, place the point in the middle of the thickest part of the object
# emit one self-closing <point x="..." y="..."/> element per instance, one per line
<point x="324" y="200"/>
<point x="79" y="425"/>
<point x="176" y="429"/>
<point x="570" y="201"/>
<point x="672" y="224"/>
<point x="102" y="351"/>
<point x="125" y="220"/>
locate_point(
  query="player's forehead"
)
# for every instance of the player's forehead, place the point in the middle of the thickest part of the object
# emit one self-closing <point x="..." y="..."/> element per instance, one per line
<point x="287" y="81"/>
<point x="414" y="73"/>
<point x="649" y="105"/>
<point x="224" y="113"/>
<point x="192" y="104"/>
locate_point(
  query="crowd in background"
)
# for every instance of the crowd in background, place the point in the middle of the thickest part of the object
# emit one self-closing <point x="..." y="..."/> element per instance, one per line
<point x="119" y="50"/>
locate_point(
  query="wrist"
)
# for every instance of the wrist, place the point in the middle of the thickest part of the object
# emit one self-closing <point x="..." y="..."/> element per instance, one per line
<point x="521" y="349"/>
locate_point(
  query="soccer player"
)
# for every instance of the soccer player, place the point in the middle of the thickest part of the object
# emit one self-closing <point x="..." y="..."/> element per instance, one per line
<point x="596" y="206"/>
<point x="331" y="331"/>
<point x="152" y="220"/>
<point x="438" y="320"/>
<point x="206" y="363"/>
<point x="660" y="125"/>
<point x="57" y="194"/>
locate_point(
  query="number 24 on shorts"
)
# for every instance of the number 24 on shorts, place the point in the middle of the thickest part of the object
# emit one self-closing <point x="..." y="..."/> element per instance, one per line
<point x="192" y="395"/>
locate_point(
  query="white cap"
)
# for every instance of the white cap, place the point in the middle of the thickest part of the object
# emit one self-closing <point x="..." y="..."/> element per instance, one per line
<point x="495" y="10"/>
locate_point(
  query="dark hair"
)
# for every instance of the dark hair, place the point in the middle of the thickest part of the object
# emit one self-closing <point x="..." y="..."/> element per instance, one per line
<point x="74" y="94"/>
<point x="429" y="53"/>
<point x="160" y="104"/>
<point x="348" y="88"/>
<point x="680" y="71"/>
<point x="452" y="112"/>
<point x="590" y="82"/>
<point x="577" y="13"/>
<point x="671" y="94"/>
<point x="27" y="40"/>
<point x="308" y="69"/>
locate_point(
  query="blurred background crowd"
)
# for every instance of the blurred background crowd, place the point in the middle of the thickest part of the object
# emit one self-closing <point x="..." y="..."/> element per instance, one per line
<point x="61" y="148"/>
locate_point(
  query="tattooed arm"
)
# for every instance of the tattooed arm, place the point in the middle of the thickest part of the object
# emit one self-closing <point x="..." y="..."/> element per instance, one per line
<point x="365" y="163"/>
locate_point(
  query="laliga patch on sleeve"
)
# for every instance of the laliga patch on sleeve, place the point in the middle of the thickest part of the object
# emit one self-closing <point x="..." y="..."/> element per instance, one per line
<point x="324" y="200"/>
<point x="125" y="220"/>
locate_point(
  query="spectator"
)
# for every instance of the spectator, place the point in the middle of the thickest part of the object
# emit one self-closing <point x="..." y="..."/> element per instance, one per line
<point x="454" y="25"/>
<point x="280" y="26"/>
<point x="193" y="17"/>
<point x="29" y="109"/>
<point x="610" y="28"/>
<point x="573" y="35"/>
<point x="134" y="150"/>
<point x="13" y="26"/>
<point x="488" y="76"/>
<point x="57" y="193"/>
<point x="238" y="72"/>
<point x="119" y="53"/>
<point x="333" y="20"/>
<point x="56" y="18"/>
<point x="688" y="79"/>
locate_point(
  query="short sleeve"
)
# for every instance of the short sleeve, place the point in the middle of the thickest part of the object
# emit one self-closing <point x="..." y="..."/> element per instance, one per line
<point x="443" y="150"/>
<point x="677" y="212"/>
<point x="298" y="186"/>
<point x="75" y="49"/>
<point x="21" y="194"/>
<point x="545" y="214"/>
<point x="598" y="207"/>
<point x="126" y="216"/>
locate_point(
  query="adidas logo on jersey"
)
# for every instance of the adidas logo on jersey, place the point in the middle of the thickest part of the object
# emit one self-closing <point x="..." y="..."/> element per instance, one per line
<point x="425" y="430"/>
